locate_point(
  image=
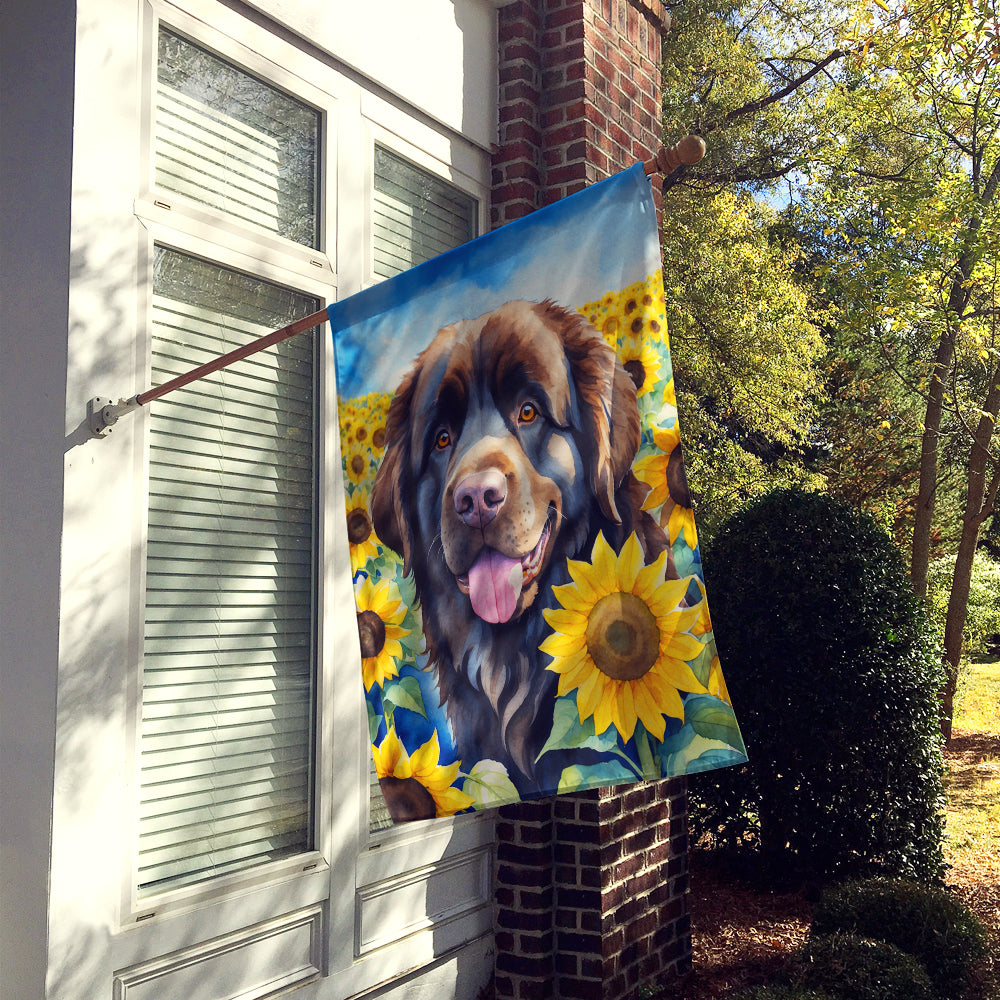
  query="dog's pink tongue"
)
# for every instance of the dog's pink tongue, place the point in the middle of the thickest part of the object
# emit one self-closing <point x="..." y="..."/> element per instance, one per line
<point x="494" y="585"/>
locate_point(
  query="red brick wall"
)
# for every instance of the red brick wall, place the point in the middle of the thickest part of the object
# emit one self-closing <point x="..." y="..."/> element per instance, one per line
<point x="579" y="96"/>
<point x="591" y="893"/>
<point x="591" y="889"/>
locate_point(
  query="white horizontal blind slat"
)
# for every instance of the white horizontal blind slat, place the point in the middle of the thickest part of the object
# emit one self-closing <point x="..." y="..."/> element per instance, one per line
<point x="227" y="684"/>
<point x="415" y="215"/>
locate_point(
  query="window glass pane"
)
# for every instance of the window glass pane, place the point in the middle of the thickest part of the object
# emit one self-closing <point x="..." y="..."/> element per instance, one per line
<point x="416" y="215"/>
<point x="228" y="140"/>
<point x="228" y="656"/>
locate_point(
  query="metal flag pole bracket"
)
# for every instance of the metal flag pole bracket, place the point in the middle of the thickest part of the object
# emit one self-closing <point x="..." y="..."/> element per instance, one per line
<point x="103" y="413"/>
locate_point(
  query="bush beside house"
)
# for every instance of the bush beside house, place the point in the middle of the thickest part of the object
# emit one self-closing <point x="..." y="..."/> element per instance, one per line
<point x="834" y="673"/>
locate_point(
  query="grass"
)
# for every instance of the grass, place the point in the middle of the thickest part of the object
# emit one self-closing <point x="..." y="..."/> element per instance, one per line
<point x="973" y="785"/>
<point x="972" y="848"/>
<point x="978" y="698"/>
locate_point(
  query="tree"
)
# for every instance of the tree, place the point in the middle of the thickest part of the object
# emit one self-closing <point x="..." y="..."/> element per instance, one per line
<point x="913" y="185"/>
<point x="879" y="122"/>
<point x="746" y="75"/>
<point x="749" y="358"/>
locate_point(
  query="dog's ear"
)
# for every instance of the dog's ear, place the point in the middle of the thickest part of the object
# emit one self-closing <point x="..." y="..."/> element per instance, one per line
<point x="609" y="411"/>
<point x="387" y="504"/>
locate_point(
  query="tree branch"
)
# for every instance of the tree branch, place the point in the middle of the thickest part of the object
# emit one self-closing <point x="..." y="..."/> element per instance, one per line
<point x="753" y="107"/>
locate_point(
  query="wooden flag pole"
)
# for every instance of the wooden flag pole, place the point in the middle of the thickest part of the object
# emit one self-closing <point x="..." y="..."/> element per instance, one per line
<point x="103" y="413"/>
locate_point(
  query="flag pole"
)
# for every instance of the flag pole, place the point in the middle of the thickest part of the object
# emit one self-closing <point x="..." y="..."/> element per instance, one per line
<point x="103" y="413"/>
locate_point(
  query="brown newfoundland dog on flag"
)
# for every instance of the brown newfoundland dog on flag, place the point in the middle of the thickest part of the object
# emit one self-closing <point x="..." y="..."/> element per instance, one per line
<point x="509" y="446"/>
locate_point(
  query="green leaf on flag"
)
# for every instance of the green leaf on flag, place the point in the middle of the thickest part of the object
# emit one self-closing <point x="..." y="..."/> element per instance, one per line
<point x="490" y="785"/>
<point x="568" y="733"/>
<point x="581" y="776"/>
<point x="374" y="722"/>
<point x="712" y="718"/>
<point x="701" y="665"/>
<point x="405" y="693"/>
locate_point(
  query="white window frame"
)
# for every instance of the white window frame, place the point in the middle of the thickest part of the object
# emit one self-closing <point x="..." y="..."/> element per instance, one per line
<point x="180" y="224"/>
<point x="350" y="874"/>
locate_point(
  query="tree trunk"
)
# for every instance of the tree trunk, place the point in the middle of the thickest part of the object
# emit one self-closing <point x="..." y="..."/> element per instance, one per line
<point x="958" y="299"/>
<point x="979" y="500"/>
<point x="920" y="553"/>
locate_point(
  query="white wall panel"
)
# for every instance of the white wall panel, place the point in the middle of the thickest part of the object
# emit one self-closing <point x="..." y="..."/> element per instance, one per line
<point x="254" y="964"/>
<point x="437" y="55"/>
<point x="391" y="910"/>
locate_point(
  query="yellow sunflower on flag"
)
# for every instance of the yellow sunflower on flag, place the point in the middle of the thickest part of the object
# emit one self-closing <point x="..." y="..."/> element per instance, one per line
<point x="717" y="683"/>
<point x="348" y="417"/>
<point x="640" y="359"/>
<point x="361" y="535"/>
<point x="417" y="785"/>
<point x="376" y="415"/>
<point x="380" y="615"/>
<point x="670" y="394"/>
<point x="621" y="640"/>
<point x="656" y="471"/>
<point x="357" y="457"/>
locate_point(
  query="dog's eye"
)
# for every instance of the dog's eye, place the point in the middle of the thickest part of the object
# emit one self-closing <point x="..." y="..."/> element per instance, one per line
<point x="527" y="413"/>
<point x="442" y="439"/>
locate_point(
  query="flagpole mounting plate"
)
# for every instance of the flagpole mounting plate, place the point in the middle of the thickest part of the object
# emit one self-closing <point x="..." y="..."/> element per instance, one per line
<point x="103" y="413"/>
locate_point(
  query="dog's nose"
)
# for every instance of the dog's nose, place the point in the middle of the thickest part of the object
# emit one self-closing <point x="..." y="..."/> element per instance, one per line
<point x="480" y="496"/>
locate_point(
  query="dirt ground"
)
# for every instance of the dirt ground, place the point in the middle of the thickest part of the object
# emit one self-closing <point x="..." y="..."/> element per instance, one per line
<point x="741" y="936"/>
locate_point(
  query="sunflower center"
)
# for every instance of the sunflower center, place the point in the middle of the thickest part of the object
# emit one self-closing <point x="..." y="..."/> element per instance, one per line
<point x="358" y="465"/>
<point x="371" y="629"/>
<point x="359" y="526"/>
<point x="637" y="371"/>
<point x="407" y="799"/>
<point x="623" y="638"/>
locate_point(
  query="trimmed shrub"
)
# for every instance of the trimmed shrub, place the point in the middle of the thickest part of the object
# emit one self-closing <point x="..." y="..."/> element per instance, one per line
<point x="856" y="968"/>
<point x="834" y="673"/>
<point x="925" y="922"/>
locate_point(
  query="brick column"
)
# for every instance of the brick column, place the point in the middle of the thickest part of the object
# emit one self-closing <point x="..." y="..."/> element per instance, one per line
<point x="591" y="889"/>
<point x="579" y="96"/>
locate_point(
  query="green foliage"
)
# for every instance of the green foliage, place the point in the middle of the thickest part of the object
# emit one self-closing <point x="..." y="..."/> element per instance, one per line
<point x="856" y="968"/>
<point x="983" y="612"/>
<point x="748" y="359"/>
<point x="926" y="922"/>
<point x="738" y="73"/>
<point x="833" y="673"/>
<point x="782" y="992"/>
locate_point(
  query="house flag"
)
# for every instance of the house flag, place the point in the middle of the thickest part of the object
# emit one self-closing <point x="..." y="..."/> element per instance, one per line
<point x="530" y="604"/>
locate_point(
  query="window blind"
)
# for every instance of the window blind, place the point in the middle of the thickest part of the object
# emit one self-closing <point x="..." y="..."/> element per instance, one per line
<point x="415" y="216"/>
<point x="228" y="140"/>
<point x="228" y="653"/>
